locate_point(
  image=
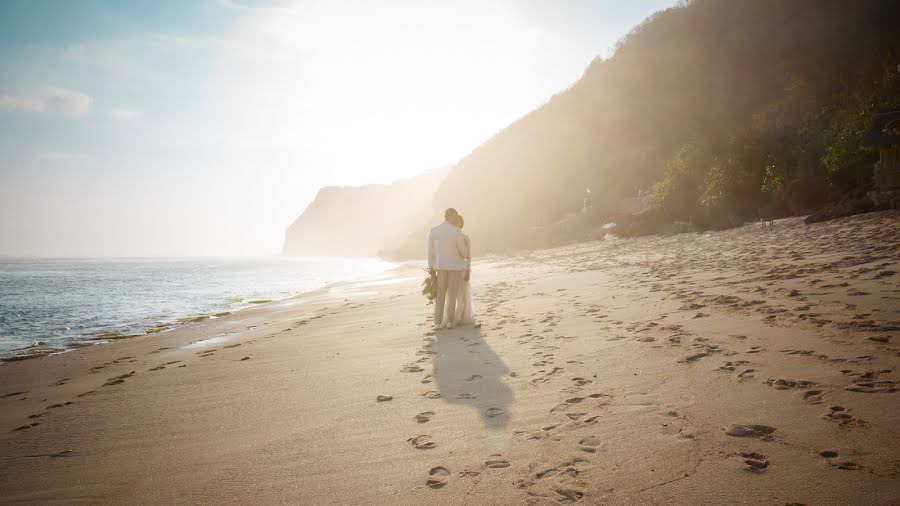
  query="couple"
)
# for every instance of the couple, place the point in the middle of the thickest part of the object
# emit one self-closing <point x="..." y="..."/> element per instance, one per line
<point x="449" y="255"/>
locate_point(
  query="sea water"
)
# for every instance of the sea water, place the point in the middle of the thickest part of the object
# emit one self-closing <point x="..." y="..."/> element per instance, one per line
<point x="61" y="302"/>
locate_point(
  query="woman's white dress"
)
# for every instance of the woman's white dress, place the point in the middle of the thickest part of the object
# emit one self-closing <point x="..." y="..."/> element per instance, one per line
<point x="465" y="312"/>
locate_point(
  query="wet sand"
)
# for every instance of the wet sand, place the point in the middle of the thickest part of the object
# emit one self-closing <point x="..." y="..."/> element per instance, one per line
<point x="747" y="366"/>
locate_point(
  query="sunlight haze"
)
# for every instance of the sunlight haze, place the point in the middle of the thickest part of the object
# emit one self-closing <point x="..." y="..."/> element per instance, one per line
<point x="449" y="252"/>
<point x="205" y="128"/>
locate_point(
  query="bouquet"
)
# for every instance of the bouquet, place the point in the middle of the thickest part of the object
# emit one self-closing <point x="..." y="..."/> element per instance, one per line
<point x="430" y="285"/>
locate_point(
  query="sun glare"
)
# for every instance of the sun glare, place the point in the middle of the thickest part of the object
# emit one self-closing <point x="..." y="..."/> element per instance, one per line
<point x="408" y="86"/>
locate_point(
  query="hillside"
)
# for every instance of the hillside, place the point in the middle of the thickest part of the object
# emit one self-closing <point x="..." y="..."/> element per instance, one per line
<point x="362" y="220"/>
<point x="720" y="107"/>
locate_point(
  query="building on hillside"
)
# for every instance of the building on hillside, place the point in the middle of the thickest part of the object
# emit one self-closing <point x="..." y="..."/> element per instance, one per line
<point x="885" y="137"/>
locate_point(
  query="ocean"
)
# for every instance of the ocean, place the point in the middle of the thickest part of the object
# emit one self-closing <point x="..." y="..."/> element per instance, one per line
<point x="61" y="302"/>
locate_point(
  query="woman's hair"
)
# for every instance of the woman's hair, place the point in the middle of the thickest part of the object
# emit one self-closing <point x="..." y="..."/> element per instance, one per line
<point x="459" y="221"/>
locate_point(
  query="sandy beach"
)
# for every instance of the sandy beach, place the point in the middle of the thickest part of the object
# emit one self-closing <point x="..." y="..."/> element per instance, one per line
<point x="748" y="366"/>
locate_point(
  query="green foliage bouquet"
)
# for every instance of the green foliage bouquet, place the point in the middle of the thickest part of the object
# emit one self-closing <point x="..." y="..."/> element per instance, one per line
<point x="430" y="285"/>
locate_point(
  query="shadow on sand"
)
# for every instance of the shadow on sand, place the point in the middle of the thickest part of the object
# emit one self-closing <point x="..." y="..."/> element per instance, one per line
<point x="468" y="372"/>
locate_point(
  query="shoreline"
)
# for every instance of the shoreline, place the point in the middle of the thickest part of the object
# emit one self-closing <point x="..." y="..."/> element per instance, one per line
<point x="746" y="365"/>
<point x="119" y="331"/>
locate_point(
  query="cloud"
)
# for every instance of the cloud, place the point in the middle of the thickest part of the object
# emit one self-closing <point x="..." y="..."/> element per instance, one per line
<point x="126" y="113"/>
<point x="49" y="99"/>
<point x="56" y="156"/>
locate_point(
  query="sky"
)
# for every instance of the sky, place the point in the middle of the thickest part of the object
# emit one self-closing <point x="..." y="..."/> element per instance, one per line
<point x="205" y="127"/>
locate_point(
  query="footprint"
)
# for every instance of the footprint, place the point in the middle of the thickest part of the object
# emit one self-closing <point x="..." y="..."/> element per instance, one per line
<point x="116" y="380"/>
<point x="590" y="441"/>
<point x="813" y="396"/>
<point x="798" y="352"/>
<point x="422" y="442"/>
<point x="589" y="444"/>
<point x="577" y="400"/>
<point x="438" y="477"/>
<point x="492" y="412"/>
<point x="559" y="408"/>
<point x="569" y="495"/>
<point x="753" y="430"/>
<point x="693" y="358"/>
<point x="546" y="473"/>
<point x="526" y="435"/>
<point x="425" y="416"/>
<point x="756" y="462"/>
<point x="872" y="387"/>
<point x="731" y="366"/>
<point x="581" y="381"/>
<point x="496" y="462"/>
<point x="783" y="384"/>
<point x="842" y="416"/>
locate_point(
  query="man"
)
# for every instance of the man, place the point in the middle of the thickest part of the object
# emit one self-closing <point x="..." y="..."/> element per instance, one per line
<point x="446" y="255"/>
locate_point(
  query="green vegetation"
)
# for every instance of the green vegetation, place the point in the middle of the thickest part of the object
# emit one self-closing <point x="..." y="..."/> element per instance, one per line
<point x="223" y="313"/>
<point x="158" y="328"/>
<point x="260" y="301"/>
<point x="111" y="336"/>
<point x="192" y="319"/>
<point x="720" y="107"/>
<point x="37" y="350"/>
<point x="430" y="285"/>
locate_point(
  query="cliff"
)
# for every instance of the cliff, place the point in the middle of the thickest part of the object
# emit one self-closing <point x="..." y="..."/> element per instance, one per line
<point x="719" y="107"/>
<point x="358" y="221"/>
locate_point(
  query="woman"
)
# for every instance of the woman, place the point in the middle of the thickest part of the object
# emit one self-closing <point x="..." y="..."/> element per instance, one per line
<point x="465" y="314"/>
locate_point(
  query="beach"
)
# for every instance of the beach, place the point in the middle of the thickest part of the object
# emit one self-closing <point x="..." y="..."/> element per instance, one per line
<point x="747" y="366"/>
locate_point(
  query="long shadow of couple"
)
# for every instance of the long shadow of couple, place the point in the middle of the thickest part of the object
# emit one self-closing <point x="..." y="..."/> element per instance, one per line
<point x="468" y="371"/>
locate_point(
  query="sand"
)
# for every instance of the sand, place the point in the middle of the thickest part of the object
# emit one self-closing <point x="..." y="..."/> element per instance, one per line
<point x="751" y="366"/>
